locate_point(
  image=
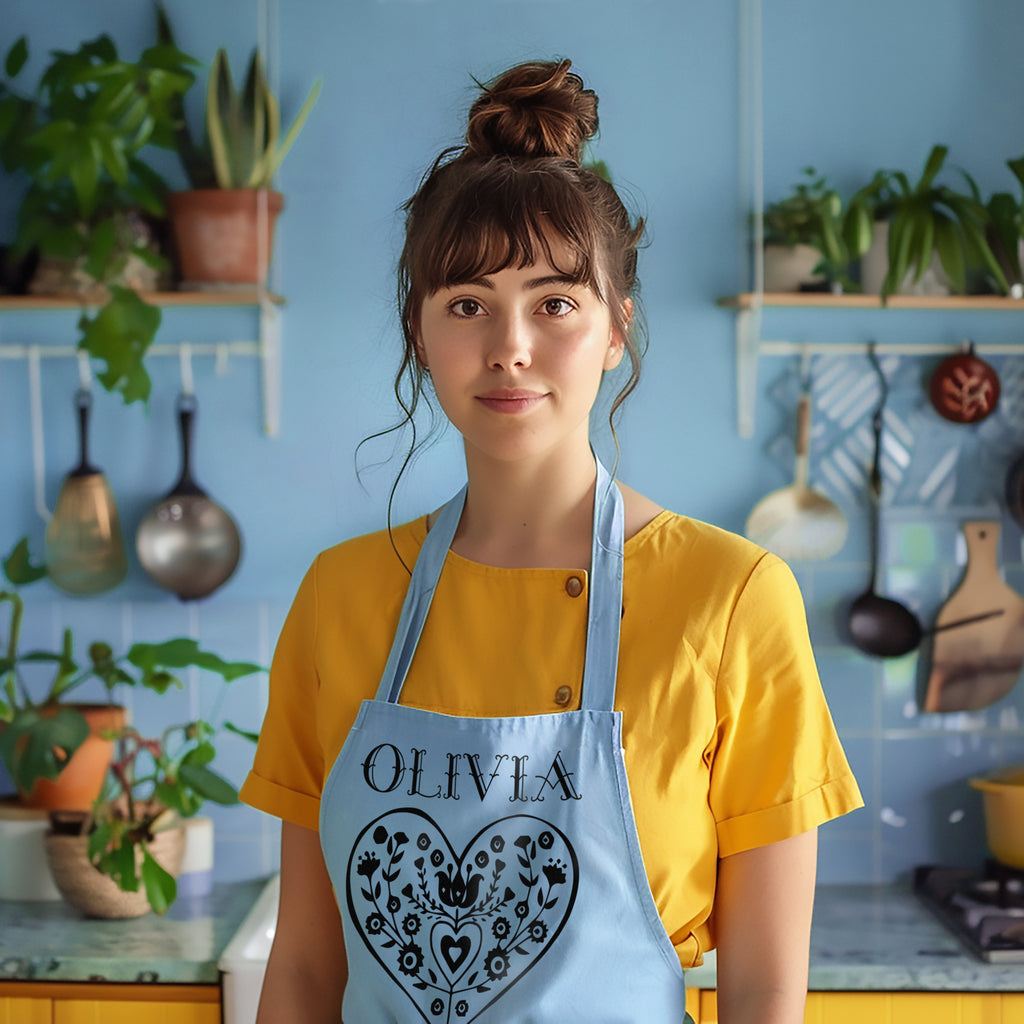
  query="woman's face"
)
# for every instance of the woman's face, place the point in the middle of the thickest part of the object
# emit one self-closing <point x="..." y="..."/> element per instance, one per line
<point x="516" y="358"/>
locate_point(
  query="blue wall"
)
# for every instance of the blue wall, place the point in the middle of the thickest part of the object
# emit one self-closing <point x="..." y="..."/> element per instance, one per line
<point x="845" y="97"/>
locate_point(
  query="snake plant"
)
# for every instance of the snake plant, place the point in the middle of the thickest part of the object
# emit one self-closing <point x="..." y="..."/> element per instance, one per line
<point x="244" y="129"/>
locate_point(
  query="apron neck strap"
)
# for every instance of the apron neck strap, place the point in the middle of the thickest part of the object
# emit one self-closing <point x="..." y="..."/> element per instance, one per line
<point x="604" y="609"/>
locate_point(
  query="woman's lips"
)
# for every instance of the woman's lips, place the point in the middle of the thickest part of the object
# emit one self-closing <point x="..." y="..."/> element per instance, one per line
<point x="510" y="400"/>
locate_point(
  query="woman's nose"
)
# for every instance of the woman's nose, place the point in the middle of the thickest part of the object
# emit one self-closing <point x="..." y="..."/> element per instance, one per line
<point x="510" y="345"/>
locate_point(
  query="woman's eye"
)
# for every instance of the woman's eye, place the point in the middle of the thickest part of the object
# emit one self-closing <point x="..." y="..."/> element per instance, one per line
<point x="557" y="307"/>
<point x="466" y="307"/>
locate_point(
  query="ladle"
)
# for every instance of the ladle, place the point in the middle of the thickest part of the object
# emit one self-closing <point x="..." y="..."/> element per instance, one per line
<point x="879" y="625"/>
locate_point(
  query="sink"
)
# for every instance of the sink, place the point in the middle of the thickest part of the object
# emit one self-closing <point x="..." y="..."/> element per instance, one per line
<point x="244" y="960"/>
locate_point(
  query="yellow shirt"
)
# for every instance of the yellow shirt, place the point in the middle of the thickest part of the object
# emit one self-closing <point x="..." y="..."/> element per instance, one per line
<point x="728" y="740"/>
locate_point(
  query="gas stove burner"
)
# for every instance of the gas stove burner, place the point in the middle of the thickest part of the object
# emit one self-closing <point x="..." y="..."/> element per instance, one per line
<point x="983" y="908"/>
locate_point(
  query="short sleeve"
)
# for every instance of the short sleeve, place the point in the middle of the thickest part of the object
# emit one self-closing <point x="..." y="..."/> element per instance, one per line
<point x="287" y="773"/>
<point x="778" y="768"/>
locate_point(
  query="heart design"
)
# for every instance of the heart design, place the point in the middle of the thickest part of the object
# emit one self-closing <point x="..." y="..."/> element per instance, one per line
<point x="455" y="931"/>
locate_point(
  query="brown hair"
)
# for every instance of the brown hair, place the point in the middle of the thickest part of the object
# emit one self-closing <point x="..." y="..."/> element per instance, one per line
<point x="496" y="201"/>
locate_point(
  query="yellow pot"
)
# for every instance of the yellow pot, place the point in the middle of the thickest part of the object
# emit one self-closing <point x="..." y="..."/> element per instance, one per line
<point x="1003" y="795"/>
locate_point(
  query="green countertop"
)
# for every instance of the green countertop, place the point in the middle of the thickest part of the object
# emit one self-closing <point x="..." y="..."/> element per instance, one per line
<point x="51" y="941"/>
<point x="864" y="938"/>
<point x="882" y="938"/>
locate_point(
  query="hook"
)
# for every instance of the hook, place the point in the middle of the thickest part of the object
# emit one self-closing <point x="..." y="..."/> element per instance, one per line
<point x="882" y="382"/>
<point x="185" y="359"/>
<point x="84" y="371"/>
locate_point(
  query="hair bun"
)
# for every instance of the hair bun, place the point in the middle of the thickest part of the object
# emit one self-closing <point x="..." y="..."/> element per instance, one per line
<point x="534" y="110"/>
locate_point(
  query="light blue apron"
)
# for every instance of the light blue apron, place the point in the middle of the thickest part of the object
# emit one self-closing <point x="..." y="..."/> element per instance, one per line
<point x="488" y="869"/>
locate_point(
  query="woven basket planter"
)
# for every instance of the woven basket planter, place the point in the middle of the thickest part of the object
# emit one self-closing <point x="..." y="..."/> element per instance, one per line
<point x="96" y="894"/>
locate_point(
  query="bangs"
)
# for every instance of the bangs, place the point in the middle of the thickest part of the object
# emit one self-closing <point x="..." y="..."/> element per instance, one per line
<point x="509" y="216"/>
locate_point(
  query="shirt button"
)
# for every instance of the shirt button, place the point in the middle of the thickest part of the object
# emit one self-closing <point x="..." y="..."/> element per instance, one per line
<point x="574" y="586"/>
<point x="563" y="695"/>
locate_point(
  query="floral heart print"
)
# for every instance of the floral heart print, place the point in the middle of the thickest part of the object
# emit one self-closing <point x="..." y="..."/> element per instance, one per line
<point x="456" y="930"/>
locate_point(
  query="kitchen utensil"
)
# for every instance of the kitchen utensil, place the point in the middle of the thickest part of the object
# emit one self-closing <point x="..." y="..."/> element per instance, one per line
<point x="1015" y="489"/>
<point x="879" y="625"/>
<point x="964" y="388"/>
<point x="187" y="542"/>
<point x="1003" y="801"/>
<point x="977" y="665"/>
<point x="84" y="548"/>
<point x="797" y="522"/>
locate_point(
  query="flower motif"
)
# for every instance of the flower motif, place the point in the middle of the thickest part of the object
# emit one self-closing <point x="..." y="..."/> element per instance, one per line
<point x="374" y="923"/>
<point x="538" y="931"/>
<point x="497" y="844"/>
<point x="496" y="964"/>
<point x="481" y="859"/>
<point x="368" y="863"/>
<point x="501" y="928"/>
<point x="411" y="924"/>
<point x="437" y="1007"/>
<point x="522" y="842"/>
<point x="461" y="1008"/>
<point x="401" y="838"/>
<point x="545" y="840"/>
<point x="455" y="891"/>
<point x="380" y="835"/>
<point x="436" y="858"/>
<point x="554" y="873"/>
<point x="424" y="841"/>
<point x="410" y="959"/>
<point x="394" y="904"/>
<point x="522" y="909"/>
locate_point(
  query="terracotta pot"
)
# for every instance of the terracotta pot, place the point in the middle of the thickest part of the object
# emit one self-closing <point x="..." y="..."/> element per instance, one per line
<point x="97" y="895"/>
<point x="81" y="780"/>
<point x="217" y="234"/>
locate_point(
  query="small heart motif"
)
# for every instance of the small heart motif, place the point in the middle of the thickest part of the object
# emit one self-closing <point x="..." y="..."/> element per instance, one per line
<point x="455" y="931"/>
<point x="453" y="952"/>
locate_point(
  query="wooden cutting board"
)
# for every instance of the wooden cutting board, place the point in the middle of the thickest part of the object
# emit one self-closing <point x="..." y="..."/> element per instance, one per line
<point x="975" y="665"/>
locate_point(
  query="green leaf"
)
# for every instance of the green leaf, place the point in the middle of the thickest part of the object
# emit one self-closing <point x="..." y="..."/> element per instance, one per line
<point x="161" y="888"/>
<point x="16" y="57"/>
<point x="221" y="113"/>
<point x="201" y="754"/>
<point x="36" y="747"/>
<point x="101" y="245"/>
<point x="208" y="784"/>
<point x="293" y="131"/>
<point x="932" y="166"/>
<point x="1017" y="166"/>
<point x="184" y="653"/>
<point x="951" y="251"/>
<point x="119" y="864"/>
<point x="18" y="565"/>
<point x="120" y="334"/>
<point x="247" y="734"/>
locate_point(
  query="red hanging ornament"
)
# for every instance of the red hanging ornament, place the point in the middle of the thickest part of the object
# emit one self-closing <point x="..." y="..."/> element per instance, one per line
<point x="964" y="388"/>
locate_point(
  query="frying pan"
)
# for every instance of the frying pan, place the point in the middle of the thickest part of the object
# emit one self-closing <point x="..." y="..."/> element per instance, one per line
<point x="187" y="543"/>
<point x="797" y="522"/>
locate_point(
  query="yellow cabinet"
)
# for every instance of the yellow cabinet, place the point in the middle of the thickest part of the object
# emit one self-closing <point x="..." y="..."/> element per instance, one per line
<point x="25" y="1011"/>
<point x="73" y="1003"/>
<point x="893" y="1008"/>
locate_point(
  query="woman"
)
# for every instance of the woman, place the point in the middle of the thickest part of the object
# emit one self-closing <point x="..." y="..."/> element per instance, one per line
<point x="586" y="741"/>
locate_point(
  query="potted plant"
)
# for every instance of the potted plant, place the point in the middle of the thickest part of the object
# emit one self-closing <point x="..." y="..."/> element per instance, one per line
<point x="805" y="247"/>
<point x="1006" y="231"/>
<point x="91" y="197"/>
<point x="223" y="226"/>
<point x="925" y="234"/>
<point x="45" y="741"/>
<point x="122" y="858"/>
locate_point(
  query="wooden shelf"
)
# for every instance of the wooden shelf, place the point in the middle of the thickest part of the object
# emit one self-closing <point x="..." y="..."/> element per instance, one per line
<point x="826" y="300"/>
<point x="748" y="307"/>
<point x="249" y="297"/>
